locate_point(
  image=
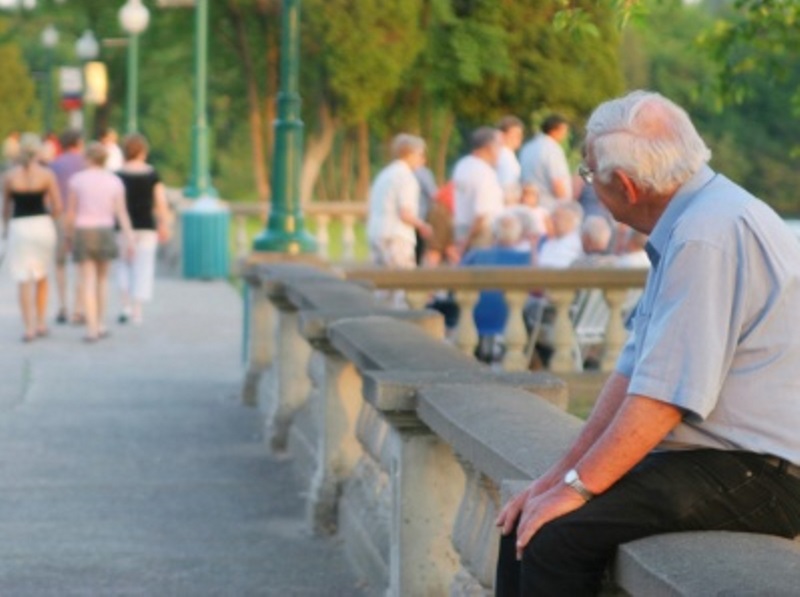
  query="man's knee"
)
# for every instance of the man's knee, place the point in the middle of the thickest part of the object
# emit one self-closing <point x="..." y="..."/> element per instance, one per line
<point x="551" y="544"/>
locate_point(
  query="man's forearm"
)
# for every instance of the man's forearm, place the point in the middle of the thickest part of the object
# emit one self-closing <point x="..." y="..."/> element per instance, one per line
<point x="638" y="427"/>
<point x="605" y="409"/>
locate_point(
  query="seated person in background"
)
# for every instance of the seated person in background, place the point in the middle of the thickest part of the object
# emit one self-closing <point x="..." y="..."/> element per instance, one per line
<point x="633" y="253"/>
<point x="491" y="313"/>
<point x="595" y="241"/>
<point x="536" y="222"/>
<point x="564" y="247"/>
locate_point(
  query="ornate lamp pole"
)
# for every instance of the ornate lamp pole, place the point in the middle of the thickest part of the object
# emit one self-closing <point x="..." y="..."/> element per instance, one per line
<point x="285" y="231"/>
<point x="49" y="41"/>
<point x="134" y="18"/>
<point x="87" y="50"/>
<point x="200" y="178"/>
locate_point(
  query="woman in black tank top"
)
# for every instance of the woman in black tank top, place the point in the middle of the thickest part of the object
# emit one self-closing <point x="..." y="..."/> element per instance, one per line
<point x="32" y="202"/>
<point x="146" y="201"/>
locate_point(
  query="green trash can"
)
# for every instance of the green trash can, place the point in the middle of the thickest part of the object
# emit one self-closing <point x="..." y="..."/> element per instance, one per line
<point x="205" y="248"/>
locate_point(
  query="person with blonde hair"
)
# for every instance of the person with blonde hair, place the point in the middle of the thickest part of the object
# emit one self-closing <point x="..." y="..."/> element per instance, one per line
<point x="96" y="199"/>
<point x="31" y="205"/>
<point x="146" y="203"/>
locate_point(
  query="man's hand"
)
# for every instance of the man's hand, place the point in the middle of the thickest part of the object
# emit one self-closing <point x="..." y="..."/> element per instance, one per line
<point x="538" y="510"/>
<point x="509" y="514"/>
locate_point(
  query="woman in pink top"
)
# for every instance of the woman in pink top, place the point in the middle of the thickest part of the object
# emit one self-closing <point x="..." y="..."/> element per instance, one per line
<point x="96" y="199"/>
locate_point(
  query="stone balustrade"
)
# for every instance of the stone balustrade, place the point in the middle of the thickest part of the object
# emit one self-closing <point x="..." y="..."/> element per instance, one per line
<point x="409" y="447"/>
<point x="324" y="215"/>
<point x="561" y="286"/>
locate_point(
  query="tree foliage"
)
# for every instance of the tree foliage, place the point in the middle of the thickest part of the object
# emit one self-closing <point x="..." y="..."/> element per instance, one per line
<point x="19" y="107"/>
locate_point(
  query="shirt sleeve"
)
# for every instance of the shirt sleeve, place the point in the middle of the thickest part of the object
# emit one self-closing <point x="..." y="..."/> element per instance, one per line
<point x="685" y="340"/>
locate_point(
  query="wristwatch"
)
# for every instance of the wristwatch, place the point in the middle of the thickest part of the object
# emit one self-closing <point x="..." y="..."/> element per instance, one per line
<point x="574" y="480"/>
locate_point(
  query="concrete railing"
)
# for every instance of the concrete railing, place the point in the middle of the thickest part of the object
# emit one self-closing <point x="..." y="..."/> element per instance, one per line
<point x="323" y="214"/>
<point x="560" y="286"/>
<point x="406" y="444"/>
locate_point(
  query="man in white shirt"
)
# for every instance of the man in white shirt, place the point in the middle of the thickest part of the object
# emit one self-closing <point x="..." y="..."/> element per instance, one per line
<point x="394" y="206"/>
<point x="478" y="194"/>
<point x="115" y="159"/>
<point x="544" y="162"/>
<point x="508" y="168"/>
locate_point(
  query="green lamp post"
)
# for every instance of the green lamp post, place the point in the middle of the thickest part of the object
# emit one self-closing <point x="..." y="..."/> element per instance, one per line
<point x="134" y="18"/>
<point x="285" y="231"/>
<point x="49" y="41"/>
<point x="200" y="184"/>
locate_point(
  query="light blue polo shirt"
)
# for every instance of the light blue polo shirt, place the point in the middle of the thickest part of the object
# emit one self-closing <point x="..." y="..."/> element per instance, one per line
<point x="717" y="330"/>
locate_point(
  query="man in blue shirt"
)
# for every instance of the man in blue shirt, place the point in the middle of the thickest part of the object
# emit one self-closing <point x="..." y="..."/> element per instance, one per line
<point x="698" y="426"/>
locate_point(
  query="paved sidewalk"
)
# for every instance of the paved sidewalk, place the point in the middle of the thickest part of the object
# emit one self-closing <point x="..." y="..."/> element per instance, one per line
<point x="129" y="467"/>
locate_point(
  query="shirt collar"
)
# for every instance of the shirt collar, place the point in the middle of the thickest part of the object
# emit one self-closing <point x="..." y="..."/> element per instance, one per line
<point x="675" y="208"/>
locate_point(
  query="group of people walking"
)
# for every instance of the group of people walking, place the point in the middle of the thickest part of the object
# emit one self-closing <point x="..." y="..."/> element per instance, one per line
<point x="92" y="207"/>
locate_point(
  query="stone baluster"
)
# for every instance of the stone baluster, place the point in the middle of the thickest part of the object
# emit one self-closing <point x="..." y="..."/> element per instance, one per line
<point x="289" y="383"/>
<point x="564" y="335"/>
<point x="335" y="401"/>
<point x="467" y="333"/>
<point x="417" y="300"/>
<point x="615" y="331"/>
<point x="323" y="235"/>
<point x="427" y="485"/>
<point x="515" y="335"/>
<point x="260" y="339"/>
<point x="242" y="240"/>
<point x="475" y="537"/>
<point x="348" y="237"/>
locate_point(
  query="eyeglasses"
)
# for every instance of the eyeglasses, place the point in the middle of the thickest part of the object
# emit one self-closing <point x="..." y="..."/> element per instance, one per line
<point x="586" y="173"/>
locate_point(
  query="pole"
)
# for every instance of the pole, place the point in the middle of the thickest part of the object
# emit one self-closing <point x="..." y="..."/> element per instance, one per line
<point x="199" y="178"/>
<point x="84" y="103"/>
<point x="48" y="91"/>
<point x="132" y="124"/>
<point x="285" y="231"/>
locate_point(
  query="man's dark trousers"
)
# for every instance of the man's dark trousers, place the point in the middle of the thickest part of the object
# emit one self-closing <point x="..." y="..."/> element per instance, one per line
<point x="667" y="492"/>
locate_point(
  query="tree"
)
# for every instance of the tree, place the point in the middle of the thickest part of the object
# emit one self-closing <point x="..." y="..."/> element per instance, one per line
<point x="19" y="108"/>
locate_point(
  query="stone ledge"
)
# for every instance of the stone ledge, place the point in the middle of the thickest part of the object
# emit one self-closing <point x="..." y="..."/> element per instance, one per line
<point x="698" y="564"/>
<point x="383" y="343"/>
<point x="397" y="390"/>
<point x="503" y="432"/>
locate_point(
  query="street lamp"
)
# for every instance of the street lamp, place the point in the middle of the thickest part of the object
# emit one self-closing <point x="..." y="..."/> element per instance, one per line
<point x="49" y="41"/>
<point x="285" y="231"/>
<point x="87" y="49"/>
<point x="200" y="178"/>
<point x="134" y="18"/>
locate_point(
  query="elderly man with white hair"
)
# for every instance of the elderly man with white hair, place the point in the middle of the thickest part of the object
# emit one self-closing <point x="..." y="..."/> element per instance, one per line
<point x="698" y="426"/>
<point x="394" y="206"/>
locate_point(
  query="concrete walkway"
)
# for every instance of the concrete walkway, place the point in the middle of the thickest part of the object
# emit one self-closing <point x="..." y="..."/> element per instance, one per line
<point x="129" y="467"/>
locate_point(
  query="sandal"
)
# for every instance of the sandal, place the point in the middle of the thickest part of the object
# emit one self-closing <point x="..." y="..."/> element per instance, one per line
<point x="42" y="333"/>
<point x="61" y="317"/>
<point x="28" y="338"/>
<point x="89" y="339"/>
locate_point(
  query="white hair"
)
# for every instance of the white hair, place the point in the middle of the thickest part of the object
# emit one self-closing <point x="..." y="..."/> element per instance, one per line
<point x="649" y="138"/>
<point x="507" y="229"/>
<point x="597" y="232"/>
<point x="405" y="144"/>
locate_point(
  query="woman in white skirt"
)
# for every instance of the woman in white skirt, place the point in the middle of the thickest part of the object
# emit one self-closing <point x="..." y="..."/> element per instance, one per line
<point x="150" y="217"/>
<point x="32" y="202"/>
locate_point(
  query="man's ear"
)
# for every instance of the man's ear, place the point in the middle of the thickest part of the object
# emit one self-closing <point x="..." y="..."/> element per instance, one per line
<point x="628" y="187"/>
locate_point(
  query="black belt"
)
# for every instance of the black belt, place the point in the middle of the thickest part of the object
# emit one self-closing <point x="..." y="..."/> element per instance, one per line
<point x="783" y="466"/>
